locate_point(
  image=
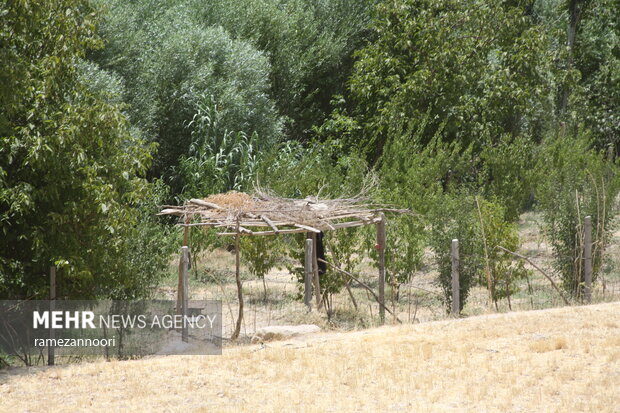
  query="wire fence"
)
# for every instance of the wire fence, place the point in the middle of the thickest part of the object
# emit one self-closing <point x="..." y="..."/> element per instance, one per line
<point x="279" y="300"/>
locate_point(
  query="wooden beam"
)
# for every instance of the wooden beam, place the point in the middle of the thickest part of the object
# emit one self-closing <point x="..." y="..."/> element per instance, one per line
<point x="307" y="228"/>
<point x="315" y="270"/>
<point x="258" y="233"/>
<point x="170" y="211"/>
<point x="205" y="204"/>
<point x="587" y="253"/>
<point x="270" y="223"/>
<point x="52" y="332"/>
<point x="330" y="226"/>
<point x="185" y="289"/>
<point x="180" y="283"/>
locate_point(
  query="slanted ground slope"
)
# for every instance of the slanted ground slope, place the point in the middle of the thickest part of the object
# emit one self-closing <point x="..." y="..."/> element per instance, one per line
<point x="558" y="360"/>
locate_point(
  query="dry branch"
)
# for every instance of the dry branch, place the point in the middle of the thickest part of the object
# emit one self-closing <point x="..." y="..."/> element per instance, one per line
<point x="280" y="215"/>
<point x="539" y="269"/>
<point x="354" y="278"/>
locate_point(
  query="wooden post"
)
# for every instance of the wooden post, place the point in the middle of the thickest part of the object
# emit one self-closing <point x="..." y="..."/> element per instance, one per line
<point x="185" y="290"/>
<point x="456" y="292"/>
<point x="50" y="349"/>
<point x="180" y="284"/>
<point x="381" y="238"/>
<point x="588" y="258"/>
<point x="237" y="331"/>
<point x="308" y="274"/>
<point x="315" y="270"/>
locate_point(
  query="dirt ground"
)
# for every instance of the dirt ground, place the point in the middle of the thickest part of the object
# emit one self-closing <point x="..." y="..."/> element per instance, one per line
<point x="557" y="360"/>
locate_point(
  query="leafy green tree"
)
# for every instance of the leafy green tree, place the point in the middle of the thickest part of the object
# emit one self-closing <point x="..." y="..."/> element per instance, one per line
<point x="454" y="218"/>
<point x="171" y="63"/>
<point x="415" y="176"/>
<point x="597" y="57"/>
<point x="70" y="171"/>
<point x="506" y="174"/>
<point x="478" y="68"/>
<point x="310" y="44"/>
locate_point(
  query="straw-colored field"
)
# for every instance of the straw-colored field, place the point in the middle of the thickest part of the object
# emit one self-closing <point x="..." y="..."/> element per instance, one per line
<point x="564" y="360"/>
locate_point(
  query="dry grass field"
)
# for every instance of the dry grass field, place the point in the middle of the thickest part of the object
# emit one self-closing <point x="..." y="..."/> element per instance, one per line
<point x="557" y="360"/>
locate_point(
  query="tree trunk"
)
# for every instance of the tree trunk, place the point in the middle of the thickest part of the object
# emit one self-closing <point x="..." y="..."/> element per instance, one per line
<point x="575" y="10"/>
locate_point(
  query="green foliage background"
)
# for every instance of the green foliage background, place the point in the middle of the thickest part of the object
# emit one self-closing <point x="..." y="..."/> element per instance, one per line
<point x="466" y="112"/>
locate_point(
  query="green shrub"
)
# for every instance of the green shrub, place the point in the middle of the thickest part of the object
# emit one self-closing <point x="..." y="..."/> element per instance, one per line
<point x="506" y="173"/>
<point x="503" y="273"/>
<point x="261" y="255"/>
<point x="415" y="176"/>
<point x="454" y="217"/>
<point x="575" y="181"/>
<point x="480" y="227"/>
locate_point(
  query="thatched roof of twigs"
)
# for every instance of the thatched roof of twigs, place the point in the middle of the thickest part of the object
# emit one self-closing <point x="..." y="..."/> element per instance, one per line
<point x="266" y="214"/>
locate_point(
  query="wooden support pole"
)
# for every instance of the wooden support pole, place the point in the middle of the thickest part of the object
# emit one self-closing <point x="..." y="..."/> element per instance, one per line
<point x="185" y="289"/>
<point x="237" y="331"/>
<point x="381" y="238"/>
<point x="456" y="292"/>
<point x="308" y="275"/>
<point x="180" y="284"/>
<point x="587" y="253"/>
<point x="315" y="270"/>
<point x="50" y="349"/>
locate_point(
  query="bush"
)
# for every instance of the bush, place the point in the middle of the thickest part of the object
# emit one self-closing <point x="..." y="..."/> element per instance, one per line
<point x="415" y="176"/>
<point x="495" y="231"/>
<point x="454" y="218"/>
<point x="261" y="255"/>
<point x="575" y="181"/>
<point x="480" y="227"/>
<point x="507" y="174"/>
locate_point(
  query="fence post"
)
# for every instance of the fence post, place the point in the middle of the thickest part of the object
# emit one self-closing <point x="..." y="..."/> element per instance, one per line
<point x="52" y="333"/>
<point x="184" y="281"/>
<point x="381" y="238"/>
<point x="456" y="292"/>
<point x="308" y="274"/>
<point x="588" y="258"/>
<point x="315" y="270"/>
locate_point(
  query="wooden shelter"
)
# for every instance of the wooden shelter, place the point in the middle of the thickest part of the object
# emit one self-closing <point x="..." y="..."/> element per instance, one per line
<point x="239" y="214"/>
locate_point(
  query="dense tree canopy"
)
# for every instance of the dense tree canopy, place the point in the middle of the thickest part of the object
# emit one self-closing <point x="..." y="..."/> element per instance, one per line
<point x="478" y="68"/>
<point x="70" y="171"/>
<point x="109" y="107"/>
<point x="171" y="65"/>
